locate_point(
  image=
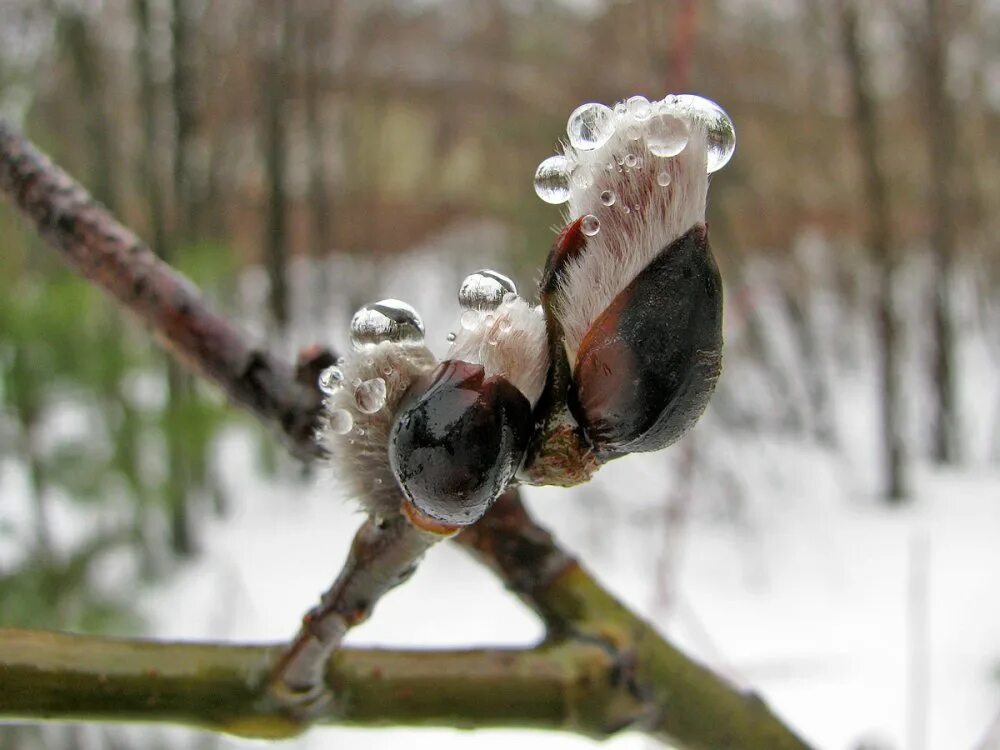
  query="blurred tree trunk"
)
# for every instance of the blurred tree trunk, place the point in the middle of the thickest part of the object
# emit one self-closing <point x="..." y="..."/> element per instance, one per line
<point x="821" y="420"/>
<point x="86" y="64"/>
<point x="177" y="482"/>
<point x="183" y="98"/>
<point x="880" y="245"/>
<point x="942" y="135"/>
<point x="315" y="58"/>
<point x="276" y="33"/>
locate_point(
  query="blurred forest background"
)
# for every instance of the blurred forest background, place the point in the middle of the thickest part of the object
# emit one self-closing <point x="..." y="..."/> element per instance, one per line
<point x="287" y="154"/>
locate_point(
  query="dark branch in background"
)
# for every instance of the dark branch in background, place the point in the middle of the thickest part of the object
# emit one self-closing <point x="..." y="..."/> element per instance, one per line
<point x="600" y="670"/>
<point x="880" y="244"/>
<point x="111" y="256"/>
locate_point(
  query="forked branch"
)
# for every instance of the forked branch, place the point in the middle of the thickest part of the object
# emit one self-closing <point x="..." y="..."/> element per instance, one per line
<point x="601" y="669"/>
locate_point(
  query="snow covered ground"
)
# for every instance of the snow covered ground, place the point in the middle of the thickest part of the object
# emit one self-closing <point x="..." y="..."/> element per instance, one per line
<point x="778" y="565"/>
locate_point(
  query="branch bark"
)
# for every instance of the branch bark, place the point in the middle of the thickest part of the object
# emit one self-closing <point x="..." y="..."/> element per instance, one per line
<point x="601" y="669"/>
<point x="112" y="257"/>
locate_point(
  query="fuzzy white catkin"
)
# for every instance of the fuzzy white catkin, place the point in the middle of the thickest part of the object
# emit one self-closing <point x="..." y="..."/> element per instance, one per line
<point x="645" y="218"/>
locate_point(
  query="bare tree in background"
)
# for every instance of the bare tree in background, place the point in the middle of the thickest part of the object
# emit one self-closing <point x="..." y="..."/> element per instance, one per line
<point x="84" y="55"/>
<point x="276" y="41"/>
<point x="185" y="117"/>
<point x="163" y="241"/>
<point x="942" y="139"/>
<point x="315" y="58"/>
<point x="880" y="245"/>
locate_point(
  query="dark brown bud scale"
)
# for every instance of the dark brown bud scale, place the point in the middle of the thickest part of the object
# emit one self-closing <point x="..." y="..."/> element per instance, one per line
<point x="648" y="365"/>
<point x="458" y="440"/>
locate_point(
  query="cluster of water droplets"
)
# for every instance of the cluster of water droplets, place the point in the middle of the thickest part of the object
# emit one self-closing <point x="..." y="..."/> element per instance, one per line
<point x="387" y="320"/>
<point x="663" y="127"/>
<point x="482" y="296"/>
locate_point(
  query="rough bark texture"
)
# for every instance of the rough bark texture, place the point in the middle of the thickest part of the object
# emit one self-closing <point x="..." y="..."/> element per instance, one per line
<point x="109" y="255"/>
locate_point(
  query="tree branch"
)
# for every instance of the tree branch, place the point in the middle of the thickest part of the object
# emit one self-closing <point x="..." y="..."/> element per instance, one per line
<point x="111" y="256"/>
<point x="679" y="701"/>
<point x="601" y="670"/>
<point x="222" y="687"/>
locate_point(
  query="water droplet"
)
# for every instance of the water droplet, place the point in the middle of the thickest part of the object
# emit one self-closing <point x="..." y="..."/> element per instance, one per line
<point x="720" y="132"/>
<point x="484" y="290"/>
<point x="590" y="126"/>
<point x="663" y="178"/>
<point x="639" y="107"/>
<point x="631" y="161"/>
<point x="378" y="481"/>
<point x="582" y="177"/>
<point x="621" y="109"/>
<point x="370" y="396"/>
<point x="330" y="380"/>
<point x="666" y="135"/>
<point x="608" y="198"/>
<point x="552" y="180"/>
<point x="633" y="132"/>
<point x="386" y="320"/>
<point x="451" y="337"/>
<point x="470" y="320"/>
<point x="590" y="225"/>
<point x="340" y="421"/>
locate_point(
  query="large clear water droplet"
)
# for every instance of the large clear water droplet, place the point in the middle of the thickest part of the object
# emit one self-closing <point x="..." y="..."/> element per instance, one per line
<point x="484" y="290"/>
<point x="552" y="179"/>
<point x="590" y="225"/>
<point x="631" y="161"/>
<point x="608" y="197"/>
<point x="639" y="107"/>
<point x="663" y="178"/>
<point x="386" y="320"/>
<point x="590" y="126"/>
<point x="369" y="397"/>
<point x="330" y="380"/>
<point x="666" y="134"/>
<point x="721" y="133"/>
<point x="340" y="421"/>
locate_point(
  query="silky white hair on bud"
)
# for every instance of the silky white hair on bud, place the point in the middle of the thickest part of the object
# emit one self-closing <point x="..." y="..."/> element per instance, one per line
<point x="359" y="456"/>
<point x="509" y="341"/>
<point x="645" y="217"/>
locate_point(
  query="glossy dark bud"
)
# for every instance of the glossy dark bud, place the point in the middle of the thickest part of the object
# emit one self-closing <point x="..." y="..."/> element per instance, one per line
<point x="649" y="363"/>
<point x="457" y="442"/>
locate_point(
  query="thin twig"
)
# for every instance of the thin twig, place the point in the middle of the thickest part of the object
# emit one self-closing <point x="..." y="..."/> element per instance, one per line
<point x="384" y="554"/>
